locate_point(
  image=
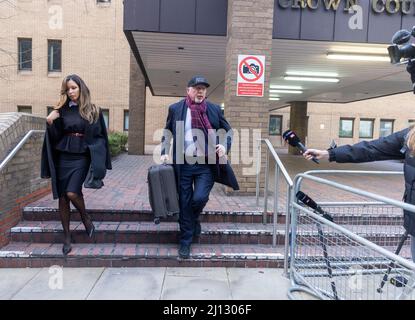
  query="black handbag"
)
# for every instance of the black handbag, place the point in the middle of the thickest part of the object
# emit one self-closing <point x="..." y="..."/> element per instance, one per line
<point x="91" y="182"/>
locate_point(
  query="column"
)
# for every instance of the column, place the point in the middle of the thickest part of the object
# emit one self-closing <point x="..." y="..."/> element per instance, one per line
<point x="298" y="122"/>
<point x="249" y="32"/>
<point x="137" y="109"/>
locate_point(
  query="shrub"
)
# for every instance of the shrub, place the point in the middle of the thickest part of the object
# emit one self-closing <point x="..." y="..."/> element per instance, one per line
<point x="117" y="142"/>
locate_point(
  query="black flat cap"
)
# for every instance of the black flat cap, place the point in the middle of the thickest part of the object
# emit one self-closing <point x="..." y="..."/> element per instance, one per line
<point x="196" y="80"/>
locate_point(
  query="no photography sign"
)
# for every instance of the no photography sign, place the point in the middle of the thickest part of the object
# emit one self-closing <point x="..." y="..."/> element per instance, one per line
<point x="250" y="76"/>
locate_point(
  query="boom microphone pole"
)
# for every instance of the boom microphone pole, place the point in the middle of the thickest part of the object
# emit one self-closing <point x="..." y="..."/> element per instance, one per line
<point x="305" y="199"/>
<point x="392" y="264"/>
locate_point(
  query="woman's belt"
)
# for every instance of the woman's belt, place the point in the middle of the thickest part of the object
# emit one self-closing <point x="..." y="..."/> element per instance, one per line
<point x="74" y="134"/>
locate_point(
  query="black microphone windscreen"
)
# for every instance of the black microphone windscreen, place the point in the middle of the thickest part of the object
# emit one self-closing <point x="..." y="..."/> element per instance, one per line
<point x="291" y="138"/>
<point x="401" y="37"/>
<point x="301" y="196"/>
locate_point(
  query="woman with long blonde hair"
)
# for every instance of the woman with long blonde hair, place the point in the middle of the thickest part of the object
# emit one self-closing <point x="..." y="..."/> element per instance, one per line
<point x="75" y="149"/>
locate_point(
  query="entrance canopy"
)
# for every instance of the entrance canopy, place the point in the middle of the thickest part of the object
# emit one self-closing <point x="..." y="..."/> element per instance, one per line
<point x="176" y="39"/>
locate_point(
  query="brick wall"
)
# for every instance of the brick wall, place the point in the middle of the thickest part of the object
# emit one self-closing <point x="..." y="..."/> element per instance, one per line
<point x="13" y="127"/>
<point x="324" y="118"/>
<point x="137" y="108"/>
<point x="249" y="31"/>
<point x="20" y="181"/>
<point x="156" y="115"/>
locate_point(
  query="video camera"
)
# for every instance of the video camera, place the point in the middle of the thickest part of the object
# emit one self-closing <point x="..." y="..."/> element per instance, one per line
<point x="254" y="67"/>
<point x="400" y="48"/>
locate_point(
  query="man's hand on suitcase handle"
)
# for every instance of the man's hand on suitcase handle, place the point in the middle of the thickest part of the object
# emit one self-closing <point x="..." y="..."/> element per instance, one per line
<point x="164" y="158"/>
<point x="220" y="150"/>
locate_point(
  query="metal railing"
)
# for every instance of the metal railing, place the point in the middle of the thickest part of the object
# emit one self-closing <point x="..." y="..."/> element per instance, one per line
<point x="18" y="147"/>
<point x="279" y="168"/>
<point x="329" y="276"/>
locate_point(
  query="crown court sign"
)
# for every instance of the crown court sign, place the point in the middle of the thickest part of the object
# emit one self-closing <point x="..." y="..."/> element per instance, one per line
<point x="250" y="81"/>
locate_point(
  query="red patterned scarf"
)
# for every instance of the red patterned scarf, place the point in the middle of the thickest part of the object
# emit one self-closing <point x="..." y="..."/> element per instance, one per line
<point x="201" y="121"/>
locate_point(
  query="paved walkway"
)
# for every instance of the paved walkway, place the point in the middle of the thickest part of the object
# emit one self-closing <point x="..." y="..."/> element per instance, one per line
<point x="143" y="284"/>
<point x="126" y="187"/>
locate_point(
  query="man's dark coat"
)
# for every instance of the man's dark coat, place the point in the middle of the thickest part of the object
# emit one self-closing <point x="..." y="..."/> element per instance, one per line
<point x="222" y="173"/>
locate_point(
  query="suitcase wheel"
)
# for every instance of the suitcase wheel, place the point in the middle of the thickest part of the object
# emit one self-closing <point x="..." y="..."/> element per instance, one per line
<point x="156" y="220"/>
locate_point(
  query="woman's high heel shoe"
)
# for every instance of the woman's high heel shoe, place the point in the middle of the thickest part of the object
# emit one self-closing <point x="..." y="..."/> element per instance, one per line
<point x="91" y="231"/>
<point x="66" y="249"/>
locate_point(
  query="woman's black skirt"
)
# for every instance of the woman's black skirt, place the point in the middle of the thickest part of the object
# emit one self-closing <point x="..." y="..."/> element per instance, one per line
<point x="71" y="172"/>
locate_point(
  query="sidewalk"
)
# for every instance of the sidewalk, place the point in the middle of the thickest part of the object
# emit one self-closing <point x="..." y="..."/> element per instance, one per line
<point x="143" y="284"/>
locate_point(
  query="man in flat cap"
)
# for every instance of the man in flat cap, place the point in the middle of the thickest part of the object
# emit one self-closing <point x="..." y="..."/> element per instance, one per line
<point x="201" y="140"/>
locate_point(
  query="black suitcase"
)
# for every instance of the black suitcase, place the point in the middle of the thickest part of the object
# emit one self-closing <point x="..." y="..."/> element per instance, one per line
<point x="162" y="192"/>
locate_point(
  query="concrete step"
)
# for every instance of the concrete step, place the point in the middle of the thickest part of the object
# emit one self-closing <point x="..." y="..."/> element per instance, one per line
<point x="212" y="233"/>
<point x="352" y="217"/>
<point x="49" y="213"/>
<point x="146" y="232"/>
<point x="36" y="255"/>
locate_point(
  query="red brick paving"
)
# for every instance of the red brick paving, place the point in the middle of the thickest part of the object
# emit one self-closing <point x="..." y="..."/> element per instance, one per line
<point x="126" y="188"/>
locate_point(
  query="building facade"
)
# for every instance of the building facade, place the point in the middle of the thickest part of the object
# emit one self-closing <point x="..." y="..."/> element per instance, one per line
<point x="127" y="51"/>
<point x="42" y="41"/>
<point x="348" y="123"/>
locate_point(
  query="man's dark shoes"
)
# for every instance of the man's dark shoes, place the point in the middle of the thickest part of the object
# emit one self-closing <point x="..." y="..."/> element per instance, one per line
<point x="184" y="251"/>
<point x="198" y="229"/>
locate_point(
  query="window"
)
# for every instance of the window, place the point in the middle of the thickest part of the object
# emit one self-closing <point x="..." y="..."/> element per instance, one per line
<point x="48" y="110"/>
<point x="346" y="128"/>
<point x="126" y="120"/>
<point x="106" y="114"/>
<point x="366" y="128"/>
<point x="25" y="109"/>
<point x="386" y="128"/>
<point x="25" y="54"/>
<point x="103" y="1"/>
<point x="411" y="122"/>
<point x="54" y="55"/>
<point x="275" y="125"/>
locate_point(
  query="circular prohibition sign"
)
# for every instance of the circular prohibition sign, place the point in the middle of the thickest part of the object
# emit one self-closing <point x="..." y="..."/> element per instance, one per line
<point x="253" y="71"/>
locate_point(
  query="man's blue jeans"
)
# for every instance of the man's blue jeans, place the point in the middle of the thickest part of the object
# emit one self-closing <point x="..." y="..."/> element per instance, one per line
<point x="195" y="183"/>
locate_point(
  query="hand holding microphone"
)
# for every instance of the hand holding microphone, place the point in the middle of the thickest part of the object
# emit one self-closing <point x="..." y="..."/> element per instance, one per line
<point x="294" y="141"/>
<point x="311" y="154"/>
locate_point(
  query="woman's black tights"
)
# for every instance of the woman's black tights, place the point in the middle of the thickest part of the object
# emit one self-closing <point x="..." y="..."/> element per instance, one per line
<point x="64" y="210"/>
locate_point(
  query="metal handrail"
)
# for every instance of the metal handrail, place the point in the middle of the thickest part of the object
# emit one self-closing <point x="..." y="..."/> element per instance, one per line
<point x="297" y="183"/>
<point x="18" y="147"/>
<point x="311" y="172"/>
<point x="390" y="255"/>
<point x="354" y="172"/>
<point x="357" y="191"/>
<point x="277" y="160"/>
<point x="279" y="167"/>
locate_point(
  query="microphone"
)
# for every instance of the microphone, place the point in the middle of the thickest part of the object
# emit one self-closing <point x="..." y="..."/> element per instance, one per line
<point x="294" y="141"/>
<point x="305" y="199"/>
